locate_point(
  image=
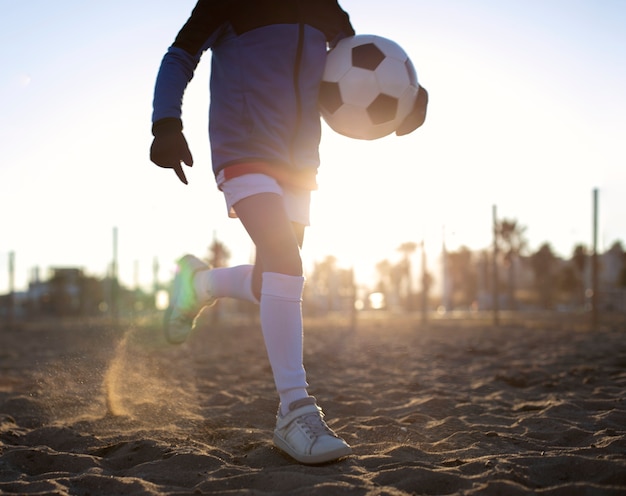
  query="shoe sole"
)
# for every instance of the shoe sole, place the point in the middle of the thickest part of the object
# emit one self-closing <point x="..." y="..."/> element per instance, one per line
<point x="329" y="456"/>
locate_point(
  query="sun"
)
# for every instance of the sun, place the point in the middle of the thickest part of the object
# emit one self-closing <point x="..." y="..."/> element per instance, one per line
<point x="364" y="208"/>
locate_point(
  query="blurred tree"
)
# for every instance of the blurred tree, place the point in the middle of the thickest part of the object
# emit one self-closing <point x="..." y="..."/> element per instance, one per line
<point x="568" y="282"/>
<point x="322" y="281"/>
<point x="384" y="278"/>
<point x="331" y="287"/>
<point x="218" y="254"/>
<point x="543" y="264"/>
<point x="615" y="262"/>
<point x="622" y="276"/>
<point x="396" y="276"/>
<point x="463" y="273"/>
<point x="427" y="283"/>
<point x="579" y="261"/>
<point x="405" y="273"/>
<point x="512" y="243"/>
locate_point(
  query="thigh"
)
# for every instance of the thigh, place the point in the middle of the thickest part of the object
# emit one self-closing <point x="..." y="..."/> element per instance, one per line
<point x="276" y="239"/>
<point x="296" y="201"/>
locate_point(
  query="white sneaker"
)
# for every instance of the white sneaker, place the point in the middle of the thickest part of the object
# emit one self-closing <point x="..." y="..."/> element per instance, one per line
<point x="184" y="307"/>
<point x="303" y="434"/>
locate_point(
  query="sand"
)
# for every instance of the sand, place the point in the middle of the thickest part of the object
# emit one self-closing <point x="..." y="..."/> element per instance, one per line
<point x="89" y="409"/>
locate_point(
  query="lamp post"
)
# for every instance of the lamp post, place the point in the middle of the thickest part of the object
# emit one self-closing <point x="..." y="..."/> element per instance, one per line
<point x="594" y="264"/>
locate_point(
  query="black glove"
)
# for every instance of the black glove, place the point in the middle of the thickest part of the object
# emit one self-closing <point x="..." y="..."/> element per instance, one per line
<point x="417" y="116"/>
<point x="169" y="147"/>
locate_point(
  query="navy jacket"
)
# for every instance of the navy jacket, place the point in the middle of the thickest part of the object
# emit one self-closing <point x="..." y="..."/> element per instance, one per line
<point x="268" y="57"/>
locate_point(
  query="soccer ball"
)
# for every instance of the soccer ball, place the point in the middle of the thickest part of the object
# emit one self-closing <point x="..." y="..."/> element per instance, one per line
<point x="369" y="86"/>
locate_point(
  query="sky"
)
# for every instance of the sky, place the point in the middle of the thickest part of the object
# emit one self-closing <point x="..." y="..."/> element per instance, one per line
<point x="527" y="113"/>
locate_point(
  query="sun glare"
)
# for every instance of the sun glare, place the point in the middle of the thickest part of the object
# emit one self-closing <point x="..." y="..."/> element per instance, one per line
<point x="364" y="208"/>
<point x="162" y="299"/>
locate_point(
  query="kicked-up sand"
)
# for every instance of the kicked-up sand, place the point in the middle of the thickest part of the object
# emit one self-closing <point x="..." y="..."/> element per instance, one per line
<point x="436" y="410"/>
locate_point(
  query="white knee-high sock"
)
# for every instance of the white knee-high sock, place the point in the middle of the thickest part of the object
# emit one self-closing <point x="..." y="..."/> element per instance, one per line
<point x="281" y="322"/>
<point x="231" y="282"/>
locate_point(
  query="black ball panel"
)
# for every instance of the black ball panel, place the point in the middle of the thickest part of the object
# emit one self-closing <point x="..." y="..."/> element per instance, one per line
<point x="330" y="96"/>
<point x="383" y="109"/>
<point x="367" y="56"/>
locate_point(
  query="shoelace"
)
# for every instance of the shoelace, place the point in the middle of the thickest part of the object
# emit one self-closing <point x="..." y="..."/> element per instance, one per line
<point x="314" y="425"/>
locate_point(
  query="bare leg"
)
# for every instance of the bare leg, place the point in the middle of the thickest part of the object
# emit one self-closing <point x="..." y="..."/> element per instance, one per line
<point x="279" y="285"/>
<point x="276" y="238"/>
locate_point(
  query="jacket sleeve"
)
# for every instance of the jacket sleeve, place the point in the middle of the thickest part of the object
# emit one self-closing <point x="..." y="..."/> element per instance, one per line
<point x="330" y="18"/>
<point x="177" y="69"/>
<point x="180" y="61"/>
<point x="344" y="29"/>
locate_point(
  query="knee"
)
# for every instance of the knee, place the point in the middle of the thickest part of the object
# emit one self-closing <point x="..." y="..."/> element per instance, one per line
<point x="280" y="257"/>
<point x="286" y="262"/>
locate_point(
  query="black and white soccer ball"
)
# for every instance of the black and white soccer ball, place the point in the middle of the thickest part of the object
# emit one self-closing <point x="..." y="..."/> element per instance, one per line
<point x="369" y="86"/>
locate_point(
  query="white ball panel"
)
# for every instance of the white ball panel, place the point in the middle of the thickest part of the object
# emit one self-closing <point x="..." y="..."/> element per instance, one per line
<point x="359" y="87"/>
<point x="392" y="77"/>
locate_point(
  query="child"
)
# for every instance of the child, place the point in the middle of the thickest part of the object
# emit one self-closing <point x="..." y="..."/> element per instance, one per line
<point x="267" y="61"/>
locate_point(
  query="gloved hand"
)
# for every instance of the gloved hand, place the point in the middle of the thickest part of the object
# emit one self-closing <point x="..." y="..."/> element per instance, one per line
<point x="417" y="116"/>
<point x="169" y="147"/>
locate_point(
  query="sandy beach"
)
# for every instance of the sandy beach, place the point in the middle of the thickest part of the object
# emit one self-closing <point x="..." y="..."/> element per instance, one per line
<point x="89" y="409"/>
